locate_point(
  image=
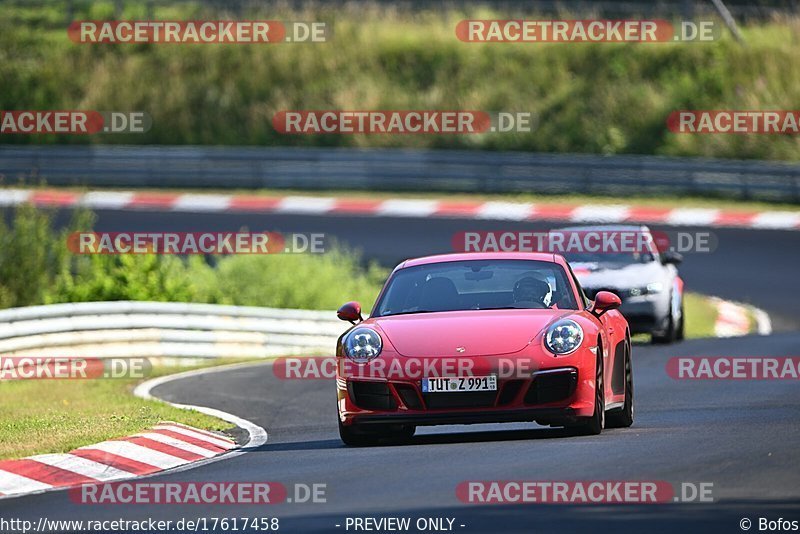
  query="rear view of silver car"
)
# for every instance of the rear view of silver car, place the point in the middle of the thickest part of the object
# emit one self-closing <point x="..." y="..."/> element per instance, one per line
<point x="645" y="278"/>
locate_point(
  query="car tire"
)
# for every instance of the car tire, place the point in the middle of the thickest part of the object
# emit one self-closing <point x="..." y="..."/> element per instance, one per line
<point x="670" y="334"/>
<point x="591" y="426"/>
<point x="355" y="436"/>
<point x="623" y="417"/>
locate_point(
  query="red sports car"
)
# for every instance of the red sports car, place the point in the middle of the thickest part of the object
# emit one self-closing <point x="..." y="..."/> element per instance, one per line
<point x="483" y="338"/>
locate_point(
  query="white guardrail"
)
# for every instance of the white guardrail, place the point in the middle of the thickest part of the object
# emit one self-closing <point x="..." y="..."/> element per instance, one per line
<point x="126" y="329"/>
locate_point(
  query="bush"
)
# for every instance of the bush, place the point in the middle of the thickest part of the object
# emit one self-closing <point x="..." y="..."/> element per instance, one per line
<point x="32" y="256"/>
<point x="135" y="277"/>
<point x="36" y="267"/>
<point x="316" y="282"/>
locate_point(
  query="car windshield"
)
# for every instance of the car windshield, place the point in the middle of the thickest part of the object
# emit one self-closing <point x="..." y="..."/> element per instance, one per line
<point x="477" y="285"/>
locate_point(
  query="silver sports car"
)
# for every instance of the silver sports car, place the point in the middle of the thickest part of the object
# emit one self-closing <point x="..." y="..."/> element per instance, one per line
<point x="645" y="279"/>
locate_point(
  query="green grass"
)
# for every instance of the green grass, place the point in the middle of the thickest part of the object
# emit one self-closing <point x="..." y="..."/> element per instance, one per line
<point x="49" y="416"/>
<point x="592" y="98"/>
<point x="701" y="315"/>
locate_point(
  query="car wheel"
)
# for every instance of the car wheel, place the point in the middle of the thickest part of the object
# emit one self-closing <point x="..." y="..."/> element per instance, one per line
<point x="593" y="425"/>
<point x="355" y="436"/>
<point x="670" y="333"/>
<point x="623" y="417"/>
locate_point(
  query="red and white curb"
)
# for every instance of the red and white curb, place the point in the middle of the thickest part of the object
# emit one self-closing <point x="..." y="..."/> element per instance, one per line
<point x="414" y="208"/>
<point x="733" y="319"/>
<point x="165" y="446"/>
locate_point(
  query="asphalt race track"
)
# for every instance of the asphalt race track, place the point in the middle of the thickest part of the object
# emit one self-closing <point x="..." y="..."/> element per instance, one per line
<point x="742" y="436"/>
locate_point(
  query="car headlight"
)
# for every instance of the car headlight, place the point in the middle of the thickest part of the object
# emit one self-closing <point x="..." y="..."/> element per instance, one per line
<point x="649" y="289"/>
<point x="362" y="345"/>
<point x="655" y="287"/>
<point x="564" y="337"/>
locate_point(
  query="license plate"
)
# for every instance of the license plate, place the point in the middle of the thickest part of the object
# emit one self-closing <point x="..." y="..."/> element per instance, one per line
<point x="455" y="385"/>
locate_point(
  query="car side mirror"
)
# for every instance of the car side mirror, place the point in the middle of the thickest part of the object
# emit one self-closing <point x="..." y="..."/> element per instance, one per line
<point x="672" y="257"/>
<point x="350" y="311"/>
<point x="605" y="301"/>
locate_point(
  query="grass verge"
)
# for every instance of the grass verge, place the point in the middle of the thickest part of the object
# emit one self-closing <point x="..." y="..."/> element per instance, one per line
<point x="52" y="416"/>
<point x="701" y="314"/>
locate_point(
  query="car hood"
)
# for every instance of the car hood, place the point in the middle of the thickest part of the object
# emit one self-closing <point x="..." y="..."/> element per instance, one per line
<point x="479" y="332"/>
<point x="600" y="275"/>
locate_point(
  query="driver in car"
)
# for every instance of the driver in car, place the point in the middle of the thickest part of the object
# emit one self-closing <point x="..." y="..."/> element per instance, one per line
<point x="531" y="292"/>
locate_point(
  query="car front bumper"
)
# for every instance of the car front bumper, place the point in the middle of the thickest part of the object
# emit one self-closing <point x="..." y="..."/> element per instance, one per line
<point x="558" y="392"/>
<point x="645" y="313"/>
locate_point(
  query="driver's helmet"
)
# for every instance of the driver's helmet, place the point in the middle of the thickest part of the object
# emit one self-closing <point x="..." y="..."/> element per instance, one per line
<point x="530" y="289"/>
